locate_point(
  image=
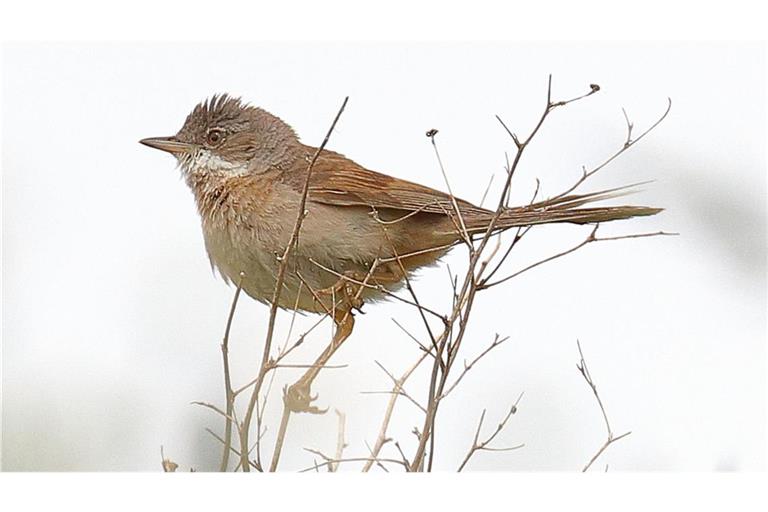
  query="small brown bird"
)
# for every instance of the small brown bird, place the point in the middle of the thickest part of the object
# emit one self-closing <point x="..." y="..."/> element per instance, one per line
<point x="247" y="169"/>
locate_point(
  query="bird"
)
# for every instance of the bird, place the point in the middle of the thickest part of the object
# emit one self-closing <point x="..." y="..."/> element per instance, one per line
<point x="363" y="231"/>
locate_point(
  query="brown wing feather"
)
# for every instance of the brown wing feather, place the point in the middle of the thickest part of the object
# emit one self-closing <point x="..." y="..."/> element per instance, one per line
<point x="336" y="180"/>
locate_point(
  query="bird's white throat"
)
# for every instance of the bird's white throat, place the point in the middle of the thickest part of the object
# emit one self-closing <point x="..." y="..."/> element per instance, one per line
<point x="204" y="161"/>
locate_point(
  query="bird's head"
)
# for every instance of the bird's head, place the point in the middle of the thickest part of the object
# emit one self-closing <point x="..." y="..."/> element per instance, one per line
<point x="224" y="136"/>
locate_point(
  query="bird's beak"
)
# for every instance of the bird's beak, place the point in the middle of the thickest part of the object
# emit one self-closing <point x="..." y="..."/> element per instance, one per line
<point x="169" y="144"/>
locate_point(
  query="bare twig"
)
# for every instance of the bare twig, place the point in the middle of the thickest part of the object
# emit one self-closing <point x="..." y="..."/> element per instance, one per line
<point x="487" y="189"/>
<point x="340" y="442"/>
<point x="411" y="336"/>
<point x="328" y="461"/>
<point x="229" y="394"/>
<point x="231" y="448"/>
<point x="629" y="142"/>
<point x="582" y="367"/>
<point x="496" y="342"/>
<point x="397" y="390"/>
<point x="590" y="238"/>
<point x="483" y="445"/>
<point x="323" y="366"/>
<point x="463" y="227"/>
<point x="215" y="409"/>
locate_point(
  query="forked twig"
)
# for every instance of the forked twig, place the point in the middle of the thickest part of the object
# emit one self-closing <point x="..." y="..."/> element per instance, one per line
<point x="396" y="391"/>
<point x="496" y="342"/>
<point x="483" y="445"/>
<point x="582" y="367"/>
<point x="629" y="142"/>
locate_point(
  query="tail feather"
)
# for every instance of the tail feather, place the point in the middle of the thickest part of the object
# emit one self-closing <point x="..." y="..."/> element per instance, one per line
<point x="566" y="209"/>
<point x="576" y="200"/>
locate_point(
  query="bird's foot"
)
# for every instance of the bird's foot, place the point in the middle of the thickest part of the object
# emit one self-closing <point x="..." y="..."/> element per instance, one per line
<point x="345" y="294"/>
<point x="298" y="398"/>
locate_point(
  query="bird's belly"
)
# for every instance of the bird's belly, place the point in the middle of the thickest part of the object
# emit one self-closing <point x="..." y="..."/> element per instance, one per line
<point x="245" y="258"/>
<point x="238" y="259"/>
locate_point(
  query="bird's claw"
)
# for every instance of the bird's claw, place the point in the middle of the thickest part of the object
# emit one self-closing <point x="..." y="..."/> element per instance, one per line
<point x="297" y="398"/>
<point x="345" y="294"/>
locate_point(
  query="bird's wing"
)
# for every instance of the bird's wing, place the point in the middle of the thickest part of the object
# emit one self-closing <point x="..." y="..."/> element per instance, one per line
<point x="338" y="181"/>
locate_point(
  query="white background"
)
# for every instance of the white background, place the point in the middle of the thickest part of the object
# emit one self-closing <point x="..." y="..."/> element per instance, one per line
<point x="112" y="319"/>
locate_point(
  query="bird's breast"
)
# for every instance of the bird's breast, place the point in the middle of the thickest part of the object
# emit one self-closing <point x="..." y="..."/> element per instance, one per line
<point x="243" y="232"/>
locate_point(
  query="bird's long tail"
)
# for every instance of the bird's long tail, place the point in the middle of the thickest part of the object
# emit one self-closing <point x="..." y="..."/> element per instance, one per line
<point x="567" y="208"/>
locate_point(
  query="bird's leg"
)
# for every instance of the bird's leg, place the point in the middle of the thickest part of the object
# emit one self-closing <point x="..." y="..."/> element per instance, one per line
<point x="297" y="397"/>
<point x="345" y="296"/>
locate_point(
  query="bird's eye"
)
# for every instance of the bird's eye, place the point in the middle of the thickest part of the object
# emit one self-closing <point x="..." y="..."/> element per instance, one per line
<point x="214" y="137"/>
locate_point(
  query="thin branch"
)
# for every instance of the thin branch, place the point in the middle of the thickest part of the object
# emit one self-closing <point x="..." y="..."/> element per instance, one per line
<point x="627" y="144"/>
<point x="591" y="238"/>
<point x="483" y="445"/>
<point x="405" y="460"/>
<point x="322" y="366"/>
<point x="340" y="442"/>
<point x="215" y="409"/>
<point x="487" y="189"/>
<point x="329" y="461"/>
<point x="231" y="448"/>
<point x="229" y="394"/>
<point x="462" y="226"/>
<point x="582" y="367"/>
<point x="496" y="342"/>
<point x="411" y="336"/>
<point x="397" y="390"/>
<point x="370" y="450"/>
